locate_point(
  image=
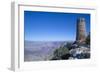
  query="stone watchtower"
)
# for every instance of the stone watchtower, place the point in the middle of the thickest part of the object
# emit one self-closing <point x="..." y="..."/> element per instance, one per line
<point x="81" y="31"/>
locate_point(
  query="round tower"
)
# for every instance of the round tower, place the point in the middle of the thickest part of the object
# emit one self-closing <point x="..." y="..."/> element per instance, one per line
<point x="81" y="31"/>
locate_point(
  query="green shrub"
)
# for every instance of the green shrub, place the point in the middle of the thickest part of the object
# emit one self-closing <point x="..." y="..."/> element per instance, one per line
<point x="60" y="52"/>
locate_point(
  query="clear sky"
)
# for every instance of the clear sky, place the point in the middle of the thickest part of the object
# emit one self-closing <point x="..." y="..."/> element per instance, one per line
<point x="52" y="26"/>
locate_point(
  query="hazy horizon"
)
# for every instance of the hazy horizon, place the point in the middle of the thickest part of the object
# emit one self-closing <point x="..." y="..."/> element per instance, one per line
<point x="49" y="40"/>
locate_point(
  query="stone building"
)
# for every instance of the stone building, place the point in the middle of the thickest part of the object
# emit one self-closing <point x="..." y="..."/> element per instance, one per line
<point x="80" y="31"/>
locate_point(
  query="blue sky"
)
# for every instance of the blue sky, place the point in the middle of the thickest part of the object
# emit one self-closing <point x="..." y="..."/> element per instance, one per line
<point x="52" y="26"/>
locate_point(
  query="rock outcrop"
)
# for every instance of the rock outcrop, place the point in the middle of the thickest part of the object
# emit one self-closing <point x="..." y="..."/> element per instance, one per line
<point x="79" y="49"/>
